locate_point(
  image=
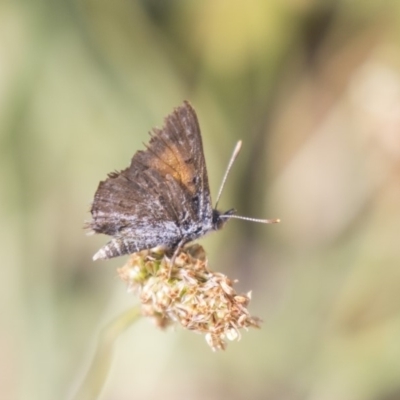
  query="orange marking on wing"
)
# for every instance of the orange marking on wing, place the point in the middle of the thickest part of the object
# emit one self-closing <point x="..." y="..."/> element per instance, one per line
<point x="171" y="162"/>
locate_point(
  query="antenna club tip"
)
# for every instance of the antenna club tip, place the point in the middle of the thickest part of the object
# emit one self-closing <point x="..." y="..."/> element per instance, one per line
<point x="237" y="148"/>
<point x="277" y="221"/>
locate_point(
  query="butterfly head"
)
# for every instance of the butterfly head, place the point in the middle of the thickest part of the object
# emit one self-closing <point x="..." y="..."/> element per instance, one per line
<point x="220" y="218"/>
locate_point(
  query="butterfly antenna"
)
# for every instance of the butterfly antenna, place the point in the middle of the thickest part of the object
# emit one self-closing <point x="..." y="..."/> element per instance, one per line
<point x="231" y="161"/>
<point x="263" y="221"/>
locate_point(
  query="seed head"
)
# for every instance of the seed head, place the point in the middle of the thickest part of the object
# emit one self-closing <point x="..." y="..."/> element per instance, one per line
<point x="188" y="294"/>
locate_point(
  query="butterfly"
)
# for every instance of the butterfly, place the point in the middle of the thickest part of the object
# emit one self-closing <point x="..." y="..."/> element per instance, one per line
<point x="163" y="197"/>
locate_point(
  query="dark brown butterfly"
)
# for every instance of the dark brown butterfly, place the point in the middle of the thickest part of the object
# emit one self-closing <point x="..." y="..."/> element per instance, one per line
<point x="163" y="197"/>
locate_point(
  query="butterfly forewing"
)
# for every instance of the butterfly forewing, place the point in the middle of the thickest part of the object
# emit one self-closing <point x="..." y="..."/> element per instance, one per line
<point x="177" y="150"/>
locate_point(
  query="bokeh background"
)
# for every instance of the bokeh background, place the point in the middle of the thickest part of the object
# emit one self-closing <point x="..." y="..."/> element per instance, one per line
<point x="313" y="90"/>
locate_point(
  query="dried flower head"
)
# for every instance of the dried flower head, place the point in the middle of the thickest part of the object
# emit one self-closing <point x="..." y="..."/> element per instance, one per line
<point x="189" y="294"/>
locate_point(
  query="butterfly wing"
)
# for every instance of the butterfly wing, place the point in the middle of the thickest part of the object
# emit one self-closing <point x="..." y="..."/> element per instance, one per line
<point x="163" y="198"/>
<point x="176" y="150"/>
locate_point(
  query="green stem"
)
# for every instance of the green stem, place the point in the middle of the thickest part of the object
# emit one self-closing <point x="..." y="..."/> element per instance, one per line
<point x="96" y="376"/>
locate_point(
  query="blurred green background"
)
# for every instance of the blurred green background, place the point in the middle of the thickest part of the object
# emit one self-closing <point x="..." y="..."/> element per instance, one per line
<point x="313" y="90"/>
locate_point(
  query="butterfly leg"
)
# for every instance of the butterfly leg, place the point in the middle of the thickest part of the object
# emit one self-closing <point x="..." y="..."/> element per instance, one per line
<point x="176" y="252"/>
